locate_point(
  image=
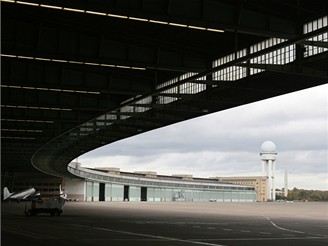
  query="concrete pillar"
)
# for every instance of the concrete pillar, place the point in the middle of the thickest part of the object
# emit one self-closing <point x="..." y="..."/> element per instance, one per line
<point x="273" y="181"/>
<point x="286" y="184"/>
<point x="263" y="168"/>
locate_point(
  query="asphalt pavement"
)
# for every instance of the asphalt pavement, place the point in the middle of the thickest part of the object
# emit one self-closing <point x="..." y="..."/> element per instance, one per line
<point x="174" y="223"/>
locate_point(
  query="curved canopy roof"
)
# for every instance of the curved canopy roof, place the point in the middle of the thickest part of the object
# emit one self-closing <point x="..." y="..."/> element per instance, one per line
<point x="77" y="75"/>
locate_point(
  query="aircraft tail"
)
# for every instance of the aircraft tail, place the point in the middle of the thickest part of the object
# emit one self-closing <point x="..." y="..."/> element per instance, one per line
<point x="61" y="193"/>
<point x="6" y="193"/>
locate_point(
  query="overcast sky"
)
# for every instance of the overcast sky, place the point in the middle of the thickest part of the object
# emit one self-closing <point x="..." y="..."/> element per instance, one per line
<point x="228" y="143"/>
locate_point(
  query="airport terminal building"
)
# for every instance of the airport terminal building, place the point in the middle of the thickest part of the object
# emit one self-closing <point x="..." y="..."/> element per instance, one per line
<point x="260" y="184"/>
<point x="110" y="184"/>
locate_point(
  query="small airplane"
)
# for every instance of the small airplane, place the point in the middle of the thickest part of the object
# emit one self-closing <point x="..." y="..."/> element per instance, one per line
<point x="21" y="195"/>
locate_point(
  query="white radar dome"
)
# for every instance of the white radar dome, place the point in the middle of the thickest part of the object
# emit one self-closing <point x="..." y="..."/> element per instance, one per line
<point x="268" y="147"/>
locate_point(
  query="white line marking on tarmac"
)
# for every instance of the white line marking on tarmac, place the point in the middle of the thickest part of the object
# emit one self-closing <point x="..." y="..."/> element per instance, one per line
<point x="281" y="228"/>
<point x="267" y="233"/>
<point x="149" y="236"/>
<point x="257" y="238"/>
<point x="179" y="222"/>
<point x="226" y="229"/>
<point x="318" y="235"/>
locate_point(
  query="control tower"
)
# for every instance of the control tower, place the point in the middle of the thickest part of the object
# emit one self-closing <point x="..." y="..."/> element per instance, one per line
<point x="268" y="157"/>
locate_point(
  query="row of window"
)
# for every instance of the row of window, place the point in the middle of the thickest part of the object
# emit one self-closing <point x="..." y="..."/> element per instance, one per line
<point x="311" y="50"/>
<point x="278" y="57"/>
<point x="154" y="183"/>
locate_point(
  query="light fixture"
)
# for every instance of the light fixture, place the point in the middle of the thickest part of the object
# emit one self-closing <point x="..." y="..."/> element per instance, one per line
<point x="49" y="89"/>
<point x="74" y="62"/>
<point x="113" y="15"/>
<point x="118" y="16"/>
<point x="19" y="130"/>
<point x="27" y="3"/>
<point x="95" y="13"/>
<point x="197" y="27"/>
<point x="74" y="10"/>
<point x="138" y="19"/>
<point x="50" y="6"/>
<point x="30" y="121"/>
<point x="40" y="108"/>
<point x="177" y="24"/>
<point x="214" y="30"/>
<point x="159" y="22"/>
<point x="19" y="138"/>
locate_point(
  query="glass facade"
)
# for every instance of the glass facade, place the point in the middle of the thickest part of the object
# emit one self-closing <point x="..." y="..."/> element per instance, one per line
<point x="108" y="192"/>
<point x="117" y="192"/>
<point x="134" y="194"/>
<point x="89" y="191"/>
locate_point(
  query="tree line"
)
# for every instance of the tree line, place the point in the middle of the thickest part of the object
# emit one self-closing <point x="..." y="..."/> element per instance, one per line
<point x="307" y="195"/>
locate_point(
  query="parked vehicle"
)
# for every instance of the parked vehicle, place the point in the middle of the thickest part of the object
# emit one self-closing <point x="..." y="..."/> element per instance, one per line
<point x="54" y="206"/>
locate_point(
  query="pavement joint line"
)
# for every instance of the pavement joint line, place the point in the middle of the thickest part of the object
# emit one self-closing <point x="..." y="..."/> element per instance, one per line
<point x="26" y="233"/>
<point x="150" y="236"/>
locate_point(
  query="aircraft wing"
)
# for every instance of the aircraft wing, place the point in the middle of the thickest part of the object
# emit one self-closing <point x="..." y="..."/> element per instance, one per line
<point x="26" y="196"/>
<point x="30" y="196"/>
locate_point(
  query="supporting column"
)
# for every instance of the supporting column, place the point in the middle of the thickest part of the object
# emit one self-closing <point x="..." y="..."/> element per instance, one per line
<point x="286" y="184"/>
<point x="267" y="174"/>
<point x="273" y="183"/>
<point x="263" y="168"/>
<point x="270" y="179"/>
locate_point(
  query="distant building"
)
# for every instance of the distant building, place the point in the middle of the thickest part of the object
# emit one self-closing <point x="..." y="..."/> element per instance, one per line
<point x="258" y="182"/>
<point x="110" y="184"/>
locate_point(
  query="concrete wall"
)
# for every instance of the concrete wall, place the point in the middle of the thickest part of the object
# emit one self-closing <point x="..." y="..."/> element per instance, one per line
<point x="75" y="188"/>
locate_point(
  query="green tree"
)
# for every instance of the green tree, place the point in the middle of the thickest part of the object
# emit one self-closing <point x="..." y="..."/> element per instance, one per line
<point x="310" y="195"/>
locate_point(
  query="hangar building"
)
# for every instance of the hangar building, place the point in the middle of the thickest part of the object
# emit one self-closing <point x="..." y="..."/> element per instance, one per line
<point x="110" y="184"/>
